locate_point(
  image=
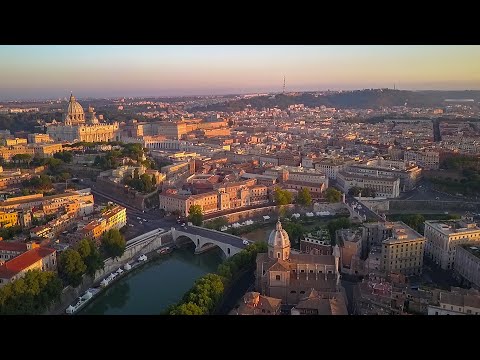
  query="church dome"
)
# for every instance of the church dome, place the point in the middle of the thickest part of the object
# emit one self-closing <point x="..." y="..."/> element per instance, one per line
<point x="75" y="111"/>
<point x="74" y="108"/>
<point x="279" y="237"/>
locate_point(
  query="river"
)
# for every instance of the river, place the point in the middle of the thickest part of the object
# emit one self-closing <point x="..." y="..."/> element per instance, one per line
<point x="150" y="289"/>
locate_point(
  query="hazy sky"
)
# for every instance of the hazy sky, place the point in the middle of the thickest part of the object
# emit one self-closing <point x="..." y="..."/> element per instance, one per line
<point x="158" y="70"/>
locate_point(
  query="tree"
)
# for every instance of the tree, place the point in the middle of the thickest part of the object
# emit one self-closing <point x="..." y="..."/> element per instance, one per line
<point x="304" y="198"/>
<point x="91" y="256"/>
<point x="147" y="183"/>
<point x="135" y="174"/>
<point x="217" y="223"/>
<point x="355" y="191"/>
<point x="188" y="308"/>
<point x="30" y="294"/>
<point x="333" y="195"/>
<point x="334" y="225"/>
<point x="65" y="156"/>
<point x="113" y="243"/>
<point x="71" y="267"/>
<point x="294" y="230"/>
<point x="282" y="197"/>
<point x="195" y="215"/>
<point x="22" y="158"/>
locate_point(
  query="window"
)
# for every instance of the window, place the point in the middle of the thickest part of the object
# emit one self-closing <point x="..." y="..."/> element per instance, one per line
<point x="302" y="292"/>
<point x="293" y="292"/>
<point x="311" y="271"/>
<point x="302" y="271"/>
<point x="277" y="277"/>
<point x="278" y="255"/>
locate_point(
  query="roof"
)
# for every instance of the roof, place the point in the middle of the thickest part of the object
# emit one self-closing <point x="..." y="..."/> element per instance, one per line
<point x="304" y="183"/>
<point x="253" y="303"/>
<point x="23" y="261"/>
<point x="12" y="246"/>
<point x="324" y="305"/>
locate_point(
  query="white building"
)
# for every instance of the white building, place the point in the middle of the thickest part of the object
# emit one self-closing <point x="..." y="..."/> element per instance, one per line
<point x="443" y="237"/>
<point x="388" y="187"/>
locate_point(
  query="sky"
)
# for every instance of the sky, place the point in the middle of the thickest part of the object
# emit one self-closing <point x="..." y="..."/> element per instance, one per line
<point x="53" y="71"/>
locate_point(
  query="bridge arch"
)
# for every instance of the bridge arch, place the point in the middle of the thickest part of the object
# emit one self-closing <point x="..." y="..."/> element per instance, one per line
<point x="202" y="243"/>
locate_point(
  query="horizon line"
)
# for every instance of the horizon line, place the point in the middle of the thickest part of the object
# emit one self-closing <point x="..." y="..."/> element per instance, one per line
<point x="234" y="94"/>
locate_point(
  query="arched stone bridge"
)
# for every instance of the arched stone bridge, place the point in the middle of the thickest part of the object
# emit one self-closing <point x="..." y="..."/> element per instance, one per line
<point x="206" y="238"/>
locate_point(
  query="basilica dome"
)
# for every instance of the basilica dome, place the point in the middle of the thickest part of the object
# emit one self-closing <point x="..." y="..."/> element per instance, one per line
<point x="278" y="237"/>
<point x="75" y="113"/>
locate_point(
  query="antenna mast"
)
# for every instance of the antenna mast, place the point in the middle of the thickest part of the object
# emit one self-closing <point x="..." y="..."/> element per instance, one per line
<point x="283" y="84"/>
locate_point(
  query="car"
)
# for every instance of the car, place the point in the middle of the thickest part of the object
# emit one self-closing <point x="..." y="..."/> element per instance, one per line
<point x="138" y="218"/>
<point x="145" y="220"/>
<point x="245" y="242"/>
<point x="140" y="222"/>
<point x="183" y="224"/>
<point x="437" y="198"/>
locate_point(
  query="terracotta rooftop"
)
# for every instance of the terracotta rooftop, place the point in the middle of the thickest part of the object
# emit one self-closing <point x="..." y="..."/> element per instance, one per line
<point x="21" y="262"/>
<point x="12" y="246"/>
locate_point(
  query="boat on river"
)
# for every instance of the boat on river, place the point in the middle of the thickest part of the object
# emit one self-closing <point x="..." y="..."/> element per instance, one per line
<point x="165" y="250"/>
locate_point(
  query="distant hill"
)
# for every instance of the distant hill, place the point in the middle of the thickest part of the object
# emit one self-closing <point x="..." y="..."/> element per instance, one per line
<point x="360" y="99"/>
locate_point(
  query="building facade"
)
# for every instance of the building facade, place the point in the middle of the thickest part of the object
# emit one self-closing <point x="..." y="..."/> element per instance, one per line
<point x="467" y="263"/>
<point x="428" y="160"/>
<point x="388" y="187"/>
<point x="403" y="251"/>
<point x="443" y="237"/>
<point x="37" y="258"/>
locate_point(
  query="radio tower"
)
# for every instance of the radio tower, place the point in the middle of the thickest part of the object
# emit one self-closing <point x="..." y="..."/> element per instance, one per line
<point x="283" y="84"/>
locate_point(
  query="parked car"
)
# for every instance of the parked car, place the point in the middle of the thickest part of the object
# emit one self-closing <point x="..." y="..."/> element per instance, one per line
<point x="245" y="242"/>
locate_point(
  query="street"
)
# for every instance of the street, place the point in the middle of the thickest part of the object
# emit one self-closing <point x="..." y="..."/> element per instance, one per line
<point x="425" y="191"/>
<point x="136" y="224"/>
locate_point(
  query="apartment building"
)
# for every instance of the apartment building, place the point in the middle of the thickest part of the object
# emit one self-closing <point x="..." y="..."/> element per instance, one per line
<point x="8" y="219"/>
<point x="39" y="150"/>
<point x="428" y="160"/>
<point x="225" y="196"/>
<point x="114" y="218"/>
<point x="329" y="168"/>
<point x="458" y="302"/>
<point x="46" y="150"/>
<point x="403" y="251"/>
<point x="467" y="263"/>
<point x="443" y="238"/>
<point x="9" y="250"/>
<point x="50" y="204"/>
<point x="39" y="138"/>
<point x="409" y="174"/>
<point x="388" y="187"/>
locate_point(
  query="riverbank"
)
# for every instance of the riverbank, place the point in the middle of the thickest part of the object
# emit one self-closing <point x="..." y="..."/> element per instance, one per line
<point x="161" y="282"/>
<point x="70" y="295"/>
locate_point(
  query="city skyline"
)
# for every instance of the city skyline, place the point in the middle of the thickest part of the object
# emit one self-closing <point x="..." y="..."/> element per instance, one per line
<point x="39" y="72"/>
